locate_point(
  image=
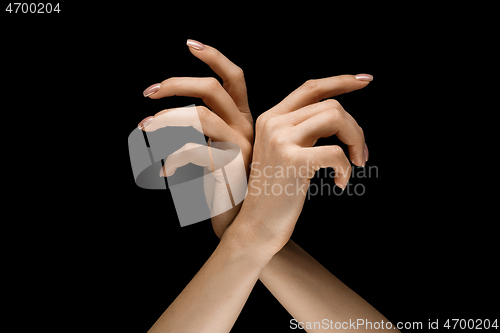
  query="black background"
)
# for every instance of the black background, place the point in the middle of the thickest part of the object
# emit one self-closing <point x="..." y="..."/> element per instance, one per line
<point x="416" y="245"/>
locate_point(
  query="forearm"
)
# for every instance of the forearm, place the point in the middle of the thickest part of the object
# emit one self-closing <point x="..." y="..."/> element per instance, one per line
<point x="213" y="299"/>
<point x="309" y="292"/>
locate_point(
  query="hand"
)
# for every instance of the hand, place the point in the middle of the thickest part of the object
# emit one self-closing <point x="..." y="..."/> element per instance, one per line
<point x="284" y="159"/>
<point x="224" y="180"/>
<point x="230" y="121"/>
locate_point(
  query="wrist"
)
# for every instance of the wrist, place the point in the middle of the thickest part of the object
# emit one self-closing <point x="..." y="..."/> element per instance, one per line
<point x="241" y="239"/>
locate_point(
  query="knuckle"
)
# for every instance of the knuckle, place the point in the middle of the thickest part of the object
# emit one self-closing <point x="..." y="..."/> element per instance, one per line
<point x="161" y="112"/>
<point x="310" y="85"/>
<point x="189" y="146"/>
<point x="332" y="103"/>
<point x="278" y="142"/>
<point x="170" y="79"/>
<point x="212" y="83"/>
<point x="203" y="111"/>
<point x="271" y="124"/>
<point x="171" y="82"/>
<point x="245" y="146"/>
<point x="236" y="73"/>
<point x="291" y="156"/>
<point x="168" y="160"/>
<point x="247" y="131"/>
<point x="336" y="150"/>
<point x="261" y="121"/>
<point x="213" y="53"/>
<point x="334" y="116"/>
<point x="311" y="88"/>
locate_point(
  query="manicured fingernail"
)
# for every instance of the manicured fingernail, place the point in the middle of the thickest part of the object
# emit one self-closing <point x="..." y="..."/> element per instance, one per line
<point x="365" y="153"/>
<point x="195" y="44"/>
<point x="145" y="122"/>
<point x="364" y="77"/>
<point x="151" y="89"/>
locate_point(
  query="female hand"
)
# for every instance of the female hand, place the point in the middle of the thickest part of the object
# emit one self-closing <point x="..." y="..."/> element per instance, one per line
<point x="228" y="120"/>
<point x="285" y="159"/>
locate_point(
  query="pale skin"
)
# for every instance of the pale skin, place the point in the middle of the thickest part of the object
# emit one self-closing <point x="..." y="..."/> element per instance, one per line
<point x="255" y="235"/>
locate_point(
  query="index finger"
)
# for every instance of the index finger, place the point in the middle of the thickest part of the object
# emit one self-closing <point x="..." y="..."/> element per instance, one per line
<point x="231" y="75"/>
<point x="313" y="91"/>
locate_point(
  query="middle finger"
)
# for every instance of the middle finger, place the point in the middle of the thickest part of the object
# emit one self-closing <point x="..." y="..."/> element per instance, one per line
<point x="209" y="90"/>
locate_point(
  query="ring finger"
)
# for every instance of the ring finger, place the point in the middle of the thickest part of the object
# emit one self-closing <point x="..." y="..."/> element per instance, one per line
<point x="209" y="90"/>
<point x="332" y="121"/>
<point x="199" y="117"/>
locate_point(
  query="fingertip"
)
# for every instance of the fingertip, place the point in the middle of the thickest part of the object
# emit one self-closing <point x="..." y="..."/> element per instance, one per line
<point x="357" y="156"/>
<point x="365" y="153"/>
<point x="165" y="171"/>
<point x="342" y="184"/>
<point x="195" y="45"/>
<point x="360" y="162"/>
<point x="151" y="90"/>
<point x="364" y="77"/>
<point x="145" y="122"/>
<point x="362" y="157"/>
<point x="342" y="175"/>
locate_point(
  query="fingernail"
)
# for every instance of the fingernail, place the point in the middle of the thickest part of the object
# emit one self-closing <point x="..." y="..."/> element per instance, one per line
<point x="365" y="153"/>
<point x="342" y="187"/>
<point x="161" y="171"/>
<point x="145" y="122"/>
<point x="195" y="44"/>
<point x="364" y="77"/>
<point x="151" y="89"/>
